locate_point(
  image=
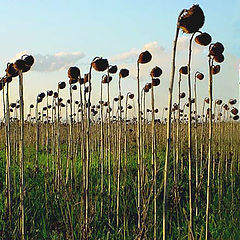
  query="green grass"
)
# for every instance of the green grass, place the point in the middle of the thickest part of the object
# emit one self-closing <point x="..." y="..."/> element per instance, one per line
<point x="49" y="214"/>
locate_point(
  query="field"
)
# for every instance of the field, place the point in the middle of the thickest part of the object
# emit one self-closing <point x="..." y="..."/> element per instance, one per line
<point x="78" y="169"/>
<point x="55" y="211"/>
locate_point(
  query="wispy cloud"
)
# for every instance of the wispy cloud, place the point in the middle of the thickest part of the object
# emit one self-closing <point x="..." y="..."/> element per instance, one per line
<point x="53" y="62"/>
<point x="132" y="54"/>
<point x="126" y="56"/>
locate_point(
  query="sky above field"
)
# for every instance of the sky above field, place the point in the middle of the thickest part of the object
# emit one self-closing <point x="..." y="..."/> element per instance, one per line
<point x="60" y="34"/>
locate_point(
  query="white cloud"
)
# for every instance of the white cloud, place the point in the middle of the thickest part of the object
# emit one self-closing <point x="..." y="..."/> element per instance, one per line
<point x="126" y="56"/>
<point x="183" y="45"/>
<point x="132" y="54"/>
<point x="153" y="47"/>
<point x="53" y="62"/>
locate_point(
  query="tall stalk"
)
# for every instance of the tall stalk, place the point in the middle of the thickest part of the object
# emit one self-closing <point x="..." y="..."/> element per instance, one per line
<point x="8" y="156"/>
<point x="70" y="143"/>
<point x="58" y="148"/>
<point x="178" y="129"/>
<point x="139" y="150"/>
<point x="119" y="148"/>
<point x="125" y="134"/>
<point x="109" y="146"/>
<point x="102" y="148"/>
<point x="196" y="140"/>
<point x="210" y="137"/>
<point x="190" y="140"/>
<point x="168" y="146"/>
<point x="21" y="157"/>
<point x="154" y="167"/>
<point x="202" y="137"/>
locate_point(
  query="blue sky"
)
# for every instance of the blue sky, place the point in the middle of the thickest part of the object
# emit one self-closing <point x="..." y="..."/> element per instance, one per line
<point x="134" y="19"/>
<point x="52" y="26"/>
<point x="107" y="28"/>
